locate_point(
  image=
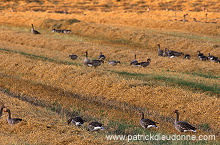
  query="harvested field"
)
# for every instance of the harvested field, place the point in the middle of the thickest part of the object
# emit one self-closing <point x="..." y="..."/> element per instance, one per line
<point x="41" y="84"/>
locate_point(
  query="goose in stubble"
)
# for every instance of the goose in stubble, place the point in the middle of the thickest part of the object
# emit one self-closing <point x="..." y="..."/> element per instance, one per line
<point x="11" y="120"/>
<point x="160" y="51"/>
<point x="95" y="63"/>
<point x="95" y="126"/>
<point x="144" y="64"/>
<point x="1" y="110"/>
<point x="114" y="62"/>
<point x="73" y="56"/>
<point x="101" y="56"/>
<point x="182" y="126"/>
<point x="187" y="56"/>
<point x="86" y="61"/>
<point x="200" y="54"/>
<point x="77" y="121"/>
<point x="147" y="123"/>
<point x="134" y="62"/>
<point x="33" y="31"/>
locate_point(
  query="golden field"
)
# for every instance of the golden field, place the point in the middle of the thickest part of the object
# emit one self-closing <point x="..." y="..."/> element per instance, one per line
<point x="41" y="84"/>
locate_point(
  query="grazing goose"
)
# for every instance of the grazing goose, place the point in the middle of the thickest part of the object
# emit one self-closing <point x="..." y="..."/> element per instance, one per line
<point x="147" y="123"/>
<point x="165" y="53"/>
<point x="134" y="62"/>
<point x="144" y="64"/>
<point x="101" y="56"/>
<point x="172" y="53"/>
<point x="94" y="126"/>
<point x="95" y="63"/>
<point x="114" y="62"/>
<point x="187" y="56"/>
<point x="73" y="56"/>
<point x="203" y="58"/>
<point x="34" y="31"/>
<point x="78" y="121"/>
<point x="160" y="51"/>
<point x="86" y="60"/>
<point x="182" y="126"/>
<point x="10" y="120"/>
<point x="212" y="58"/>
<point x="1" y="110"/>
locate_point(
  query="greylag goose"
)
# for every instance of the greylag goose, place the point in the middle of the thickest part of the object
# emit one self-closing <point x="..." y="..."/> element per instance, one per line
<point x="34" y="31"/>
<point x="212" y="58"/>
<point x="203" y="58"/>
<point x="187" y="56"/>
<point x="86" y="60"/>
<point x="160" y="51"/>
<point x="1" y="110"/>
<point x="10" y="120"/>
<point x="200" y="54"/>
<point x="78" y="121"/>
<point x="101" y="56"/>
<point x="147" y="123"/>
<point x="114" y="62"/>
<point x="73" y="56"/>
<point x="94" y="126"/>
<point x="182" y="126"/>
<point x="144" y="64"/>
<point x="95" y="63"/>
<point x="134" y="62"/>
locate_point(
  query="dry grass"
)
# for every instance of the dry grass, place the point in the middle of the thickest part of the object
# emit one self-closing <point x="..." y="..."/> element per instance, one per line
<point x="39" y="67"/>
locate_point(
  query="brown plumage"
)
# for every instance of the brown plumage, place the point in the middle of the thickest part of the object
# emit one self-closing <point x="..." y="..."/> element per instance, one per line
<point x="147" y="123"/>
<point x="182" y="126"/>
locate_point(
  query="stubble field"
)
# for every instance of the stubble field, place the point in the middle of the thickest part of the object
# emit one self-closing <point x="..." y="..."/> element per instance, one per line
<point x="41" y="84"/>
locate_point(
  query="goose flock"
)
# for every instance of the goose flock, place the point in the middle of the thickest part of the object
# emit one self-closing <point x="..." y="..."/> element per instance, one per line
<point x="171" y="54"/>
<point x="146" y="123"/>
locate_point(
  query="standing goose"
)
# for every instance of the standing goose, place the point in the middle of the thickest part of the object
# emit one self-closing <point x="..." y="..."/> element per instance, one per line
<point x="94" y="126"/>
<point x="200" y="54"/>
<point x="10" y="120"/>
<point x="114" y="62"/>
<point x="86" y="60"/>
<point x="73" y="56"/>
<point x="34" y="31"/>
<point x="147" y="123"/>
<point x="182" y="126"/>
<point x="101" y="56"/>
<point x="78" y="121"/>
<point x="144" y="64"/>
<point x="160" y="51"/>
<point x="134" y="62"/>
<point x="1" y="110"/>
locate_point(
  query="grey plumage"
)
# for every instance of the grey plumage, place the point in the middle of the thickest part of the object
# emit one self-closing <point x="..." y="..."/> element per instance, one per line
<point x="134" y="62"/>
<point x="10" y="120"/>
<point x="33" y="31"/>
<point x="147" y="123"/>
<point x="182" y="126"/>
<point x="78" y="121"/>
<point x="114" y="62"/>
<point x="94" y="126"/>
<point x="73" y="56"/>
<point x="144" y="64"/>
